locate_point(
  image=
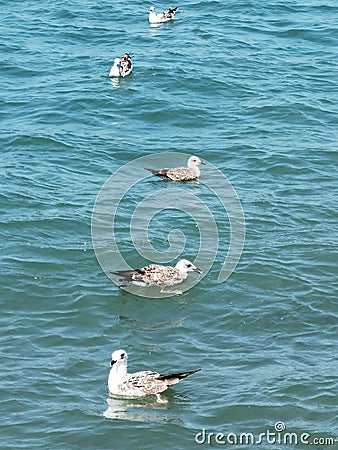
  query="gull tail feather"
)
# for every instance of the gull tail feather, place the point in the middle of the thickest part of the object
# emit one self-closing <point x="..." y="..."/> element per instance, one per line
<point x="158" y="173"/>
<point x="127" y="275"/>
<point x="173" y="378"/>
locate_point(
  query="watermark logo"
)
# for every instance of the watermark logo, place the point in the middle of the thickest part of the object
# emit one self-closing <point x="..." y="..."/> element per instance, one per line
<point x="131" y="201"/>
<point x="278" y="435"/>
<point x="280" y="426"/>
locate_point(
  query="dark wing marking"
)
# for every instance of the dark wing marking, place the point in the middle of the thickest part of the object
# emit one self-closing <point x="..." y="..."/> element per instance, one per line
<point x="159" y="173"/>
<point x="129" y="275"/>
<point x="172" y="10"/>
<point x="172" y="378"/>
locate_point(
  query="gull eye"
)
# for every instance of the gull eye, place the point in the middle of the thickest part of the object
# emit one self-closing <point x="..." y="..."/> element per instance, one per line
<point x="122" y="355"/>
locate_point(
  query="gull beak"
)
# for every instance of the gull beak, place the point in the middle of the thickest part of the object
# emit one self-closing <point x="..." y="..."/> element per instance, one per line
<point x="203" y="162"/>
<point x="197" y="270"/>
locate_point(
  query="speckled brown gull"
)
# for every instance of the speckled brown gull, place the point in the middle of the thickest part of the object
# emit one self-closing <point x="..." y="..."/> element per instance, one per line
<point x="138" y="384"/>
<point x="121" y="67"/>
<point x="157" y="275"/>
<point x="161" y="17"/>
<point x="189" y="173"/>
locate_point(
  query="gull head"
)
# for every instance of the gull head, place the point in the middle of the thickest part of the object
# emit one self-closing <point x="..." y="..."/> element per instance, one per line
<point x="194" y="161"/>
<point x="119" y="358"/>
<point x="184" y="266"/>
<point x="152" y="9"/>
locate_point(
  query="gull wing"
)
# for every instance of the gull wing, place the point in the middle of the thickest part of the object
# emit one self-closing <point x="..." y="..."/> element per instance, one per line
<point x="173" y="378"/>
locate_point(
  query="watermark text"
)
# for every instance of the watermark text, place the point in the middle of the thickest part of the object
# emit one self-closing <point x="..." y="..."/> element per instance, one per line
<point x="278" y="435"/>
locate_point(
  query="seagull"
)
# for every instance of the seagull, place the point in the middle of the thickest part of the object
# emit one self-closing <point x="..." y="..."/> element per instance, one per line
<point x="161" y="17"/>
<point x="121" y="67"/>
<point x="157" y="275"/>
<point x="189" y="173"/>
<point x="139" y="384"/>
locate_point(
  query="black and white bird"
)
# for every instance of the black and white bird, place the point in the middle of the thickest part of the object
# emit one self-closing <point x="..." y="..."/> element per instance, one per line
<point x="158" y="275"/>
<point x="122" y="67"/>
<point x="139" y="384"/>
<point x="161" y="17"/>
<point x="189" y="173"/>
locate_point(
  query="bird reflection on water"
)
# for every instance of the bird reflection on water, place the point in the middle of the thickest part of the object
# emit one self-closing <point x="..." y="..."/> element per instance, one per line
<point x="138" y="410"/>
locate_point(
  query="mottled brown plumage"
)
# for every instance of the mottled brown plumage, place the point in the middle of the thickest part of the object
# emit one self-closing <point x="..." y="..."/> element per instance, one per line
<point x="156" y="18"/>
<point x="139" y="384"/>
<point x="157" y="275"/>
<point x="189" y="173"/>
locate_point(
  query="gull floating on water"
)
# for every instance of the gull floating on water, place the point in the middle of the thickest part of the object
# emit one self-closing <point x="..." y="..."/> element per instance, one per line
<point x="157" y="275"/>
<point x="161" y="17"/>
<point x="189" y="173"/>
<point x="139" y="384"/>
<point x="121" y="67"/>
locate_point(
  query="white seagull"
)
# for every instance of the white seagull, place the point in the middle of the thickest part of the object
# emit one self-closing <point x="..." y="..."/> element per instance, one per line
<point x="189" y="173"/>
<point x="161" y="17"/>
<point x="121" y="67"/>
<point x="138" y="384"/>
<point x="157" y="275"/>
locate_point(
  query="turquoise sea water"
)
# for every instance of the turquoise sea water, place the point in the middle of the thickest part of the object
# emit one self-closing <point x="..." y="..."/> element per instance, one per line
<point x="250" y="87"/>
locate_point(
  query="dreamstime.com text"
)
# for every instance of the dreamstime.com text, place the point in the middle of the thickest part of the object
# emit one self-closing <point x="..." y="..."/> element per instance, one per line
<point x="277" y="436"/>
